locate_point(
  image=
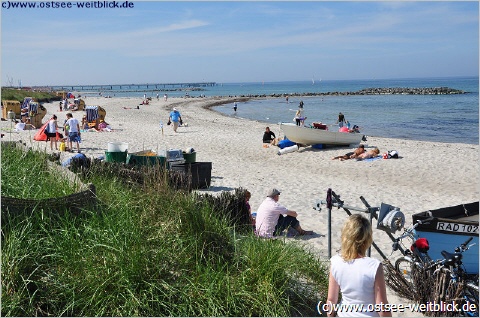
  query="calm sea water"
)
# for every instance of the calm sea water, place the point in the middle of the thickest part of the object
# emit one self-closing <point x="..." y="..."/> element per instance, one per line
<point x="441" y="118"/>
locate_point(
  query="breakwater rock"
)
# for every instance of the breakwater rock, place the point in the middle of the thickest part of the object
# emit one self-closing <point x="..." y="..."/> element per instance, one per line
<point x="374" y="91"/>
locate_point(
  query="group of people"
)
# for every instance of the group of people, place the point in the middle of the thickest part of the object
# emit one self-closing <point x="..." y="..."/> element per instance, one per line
<point x="71" y="128"/>
<point x="360" y="279"/>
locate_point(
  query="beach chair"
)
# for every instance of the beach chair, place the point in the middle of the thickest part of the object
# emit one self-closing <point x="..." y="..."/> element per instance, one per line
<point x="94" y="115"/>
<point x="10" y="105"/>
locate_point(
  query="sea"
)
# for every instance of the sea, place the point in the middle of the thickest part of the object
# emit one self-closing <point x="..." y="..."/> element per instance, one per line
<point x="438" y="118"/>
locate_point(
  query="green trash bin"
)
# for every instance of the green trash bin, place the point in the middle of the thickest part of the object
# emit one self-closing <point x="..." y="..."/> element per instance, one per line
<point x="116" y="156"/>
<point x="190" y="157"/>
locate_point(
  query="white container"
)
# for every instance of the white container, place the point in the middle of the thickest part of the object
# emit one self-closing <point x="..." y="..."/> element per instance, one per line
<point x="117" y="146"/>
<point x="288" y="150"/>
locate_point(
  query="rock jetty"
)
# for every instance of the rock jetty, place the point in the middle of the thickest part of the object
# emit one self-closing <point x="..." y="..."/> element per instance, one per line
<point x="375" y="91"/>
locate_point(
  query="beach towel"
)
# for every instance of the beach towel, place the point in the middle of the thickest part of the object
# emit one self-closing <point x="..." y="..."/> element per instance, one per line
<point x="371" y="159"/>
<point x="92" y="113"/>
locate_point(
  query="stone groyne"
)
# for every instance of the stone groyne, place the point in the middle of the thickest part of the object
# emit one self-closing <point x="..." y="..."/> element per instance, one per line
<point x="374" y="91"/>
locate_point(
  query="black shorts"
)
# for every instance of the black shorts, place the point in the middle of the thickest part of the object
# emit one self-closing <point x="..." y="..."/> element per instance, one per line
<point x="51" y="135"/>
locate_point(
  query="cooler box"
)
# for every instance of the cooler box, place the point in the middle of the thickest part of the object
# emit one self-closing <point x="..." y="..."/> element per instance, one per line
<point x="146" y="158"/>
<point x="450" y="227"/>
<point x="117" y="146"/>
<point x="190" y="157"/>
<point x="320" y="126"/>
<point x="116" y="156"/>
<point x="199" y="173"/>
<point x="173" y="156"/>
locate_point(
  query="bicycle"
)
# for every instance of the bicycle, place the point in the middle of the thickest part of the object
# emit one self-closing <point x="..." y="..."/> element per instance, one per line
<point x="453" y="284"/>
<point x="416" y="255"/>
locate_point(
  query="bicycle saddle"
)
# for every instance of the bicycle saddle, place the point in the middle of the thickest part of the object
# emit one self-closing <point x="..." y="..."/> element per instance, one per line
<point x="451" y="258"/>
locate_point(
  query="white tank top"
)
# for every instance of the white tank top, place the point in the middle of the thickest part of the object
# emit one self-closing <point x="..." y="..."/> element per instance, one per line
<point x="356" y="279"/>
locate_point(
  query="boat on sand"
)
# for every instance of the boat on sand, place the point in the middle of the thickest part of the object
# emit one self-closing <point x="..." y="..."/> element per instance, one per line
<point x="318" y="134"/>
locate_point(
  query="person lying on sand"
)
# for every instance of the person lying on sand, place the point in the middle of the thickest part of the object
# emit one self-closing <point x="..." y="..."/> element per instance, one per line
<point x="369" y="154"/>
<point x="351" y="155"/>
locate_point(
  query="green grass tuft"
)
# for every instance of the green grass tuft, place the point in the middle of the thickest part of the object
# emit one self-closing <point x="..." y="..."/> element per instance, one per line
<point x="148" y="250"/>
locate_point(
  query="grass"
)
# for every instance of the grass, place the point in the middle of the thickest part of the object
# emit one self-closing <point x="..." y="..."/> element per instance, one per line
<point x="19" y="95"/>
<point x="149" y="251"/>
<point x="25" y="174"/>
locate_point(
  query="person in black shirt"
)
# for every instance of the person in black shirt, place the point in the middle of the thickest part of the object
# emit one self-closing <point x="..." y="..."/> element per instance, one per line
<point x="268" y="136"/>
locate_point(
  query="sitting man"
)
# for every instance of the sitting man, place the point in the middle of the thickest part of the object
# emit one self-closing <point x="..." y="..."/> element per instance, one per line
<point x="270" y="220"/>
<point x="269" y="137"/>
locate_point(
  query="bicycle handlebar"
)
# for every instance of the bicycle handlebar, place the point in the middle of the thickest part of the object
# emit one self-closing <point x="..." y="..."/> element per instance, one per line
<point x="463" y="247"/>
<point x="468" y="241"/>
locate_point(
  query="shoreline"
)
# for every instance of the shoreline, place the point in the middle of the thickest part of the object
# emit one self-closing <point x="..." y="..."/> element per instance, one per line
<point x="428" y="175"/>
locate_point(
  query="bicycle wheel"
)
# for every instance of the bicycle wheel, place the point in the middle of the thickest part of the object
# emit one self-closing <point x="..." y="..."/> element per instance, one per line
<point x="471" y="297"/>
<point x="404" y="267"/>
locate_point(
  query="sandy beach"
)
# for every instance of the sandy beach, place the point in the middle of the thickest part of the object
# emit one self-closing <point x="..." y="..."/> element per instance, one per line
<point x="428" y="175"/>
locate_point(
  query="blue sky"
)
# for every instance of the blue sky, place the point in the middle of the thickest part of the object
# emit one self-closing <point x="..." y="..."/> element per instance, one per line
<point x="162" y="42"/>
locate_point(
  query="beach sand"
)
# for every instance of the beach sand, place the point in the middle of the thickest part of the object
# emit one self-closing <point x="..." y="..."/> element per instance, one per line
<point x="428" y="175"/>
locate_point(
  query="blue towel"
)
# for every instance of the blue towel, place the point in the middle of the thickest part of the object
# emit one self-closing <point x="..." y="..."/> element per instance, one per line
<point x="371" y="159"/>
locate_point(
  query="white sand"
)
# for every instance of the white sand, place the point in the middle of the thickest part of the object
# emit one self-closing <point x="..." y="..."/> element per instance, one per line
<point x="429" y="175"/>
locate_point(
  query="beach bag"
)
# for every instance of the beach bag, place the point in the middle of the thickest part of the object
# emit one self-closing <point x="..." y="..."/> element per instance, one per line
<point x="392" y="154"/>
<point x="285" y="143"/>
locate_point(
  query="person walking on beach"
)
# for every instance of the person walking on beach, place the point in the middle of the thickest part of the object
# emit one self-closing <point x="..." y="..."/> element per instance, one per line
<point x="359" y="278"/>
<point x="73" y="131"/>
<point x="175" y="118"/>
<point x="51" y="131"/>
<point x="340" y="120"/>
<point x="235" y="106"/>
<point x="270" y="219"/>
<point x="165" y="97"/>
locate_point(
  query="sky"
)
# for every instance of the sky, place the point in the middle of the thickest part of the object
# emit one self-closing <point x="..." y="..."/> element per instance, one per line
<point x="231" y="42"/>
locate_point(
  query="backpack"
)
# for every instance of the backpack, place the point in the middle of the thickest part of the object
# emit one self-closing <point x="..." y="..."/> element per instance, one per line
<point x="392" y="154"/>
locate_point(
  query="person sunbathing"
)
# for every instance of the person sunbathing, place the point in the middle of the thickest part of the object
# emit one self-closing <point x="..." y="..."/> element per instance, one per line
<point x="351" y="155"/>
<point x="369" y="154"/>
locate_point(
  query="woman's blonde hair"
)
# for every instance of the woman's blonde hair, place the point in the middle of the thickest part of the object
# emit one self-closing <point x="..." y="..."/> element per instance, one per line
<point x="356" y="237"/>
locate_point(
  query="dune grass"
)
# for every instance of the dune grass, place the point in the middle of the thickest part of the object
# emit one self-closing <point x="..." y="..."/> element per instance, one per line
<point x="149" y="250"/>
<point x="19" y="95"/>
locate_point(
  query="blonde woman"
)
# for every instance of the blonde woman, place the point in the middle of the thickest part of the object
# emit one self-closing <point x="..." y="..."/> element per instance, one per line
<point x="360" y="279"/>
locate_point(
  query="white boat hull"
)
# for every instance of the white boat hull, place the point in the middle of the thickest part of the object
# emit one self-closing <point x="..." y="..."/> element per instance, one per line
<point x="312" y="136"/>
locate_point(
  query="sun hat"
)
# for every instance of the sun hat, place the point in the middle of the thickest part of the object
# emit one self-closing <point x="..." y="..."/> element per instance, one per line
<point x="273" y="192"/>
<point x="174" y="108"/>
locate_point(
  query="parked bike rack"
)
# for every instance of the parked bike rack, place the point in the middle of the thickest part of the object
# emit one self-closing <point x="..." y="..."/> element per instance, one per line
<point x="393" y="217"/>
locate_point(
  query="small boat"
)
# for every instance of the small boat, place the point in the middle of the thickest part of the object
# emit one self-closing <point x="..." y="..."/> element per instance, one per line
<point x="450" y="227"/>
<point x="318" y="134"/>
